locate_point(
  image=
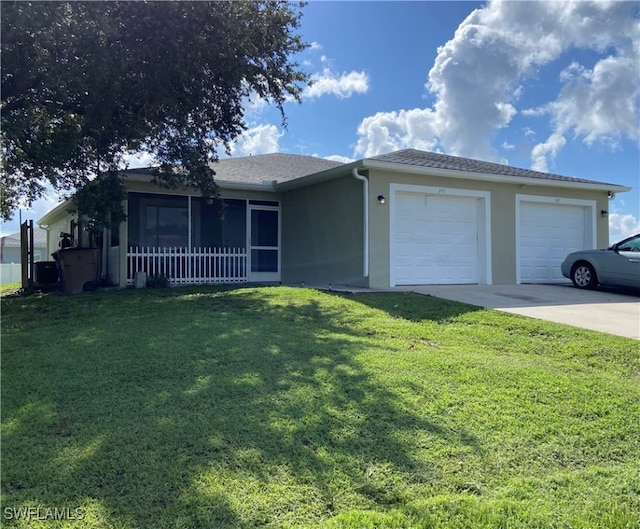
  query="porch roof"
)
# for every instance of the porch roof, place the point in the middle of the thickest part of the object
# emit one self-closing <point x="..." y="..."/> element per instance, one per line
<point x="262" y="169"/>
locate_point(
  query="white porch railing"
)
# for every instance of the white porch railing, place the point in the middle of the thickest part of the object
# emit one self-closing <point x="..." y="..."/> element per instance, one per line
<point x="182" y="266"/>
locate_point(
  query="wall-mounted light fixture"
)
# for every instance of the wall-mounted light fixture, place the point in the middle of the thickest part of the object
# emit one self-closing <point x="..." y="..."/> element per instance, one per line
<point x="604" y="213"/>
<point x="609" y="194"/>
<point x="381" y="199"/>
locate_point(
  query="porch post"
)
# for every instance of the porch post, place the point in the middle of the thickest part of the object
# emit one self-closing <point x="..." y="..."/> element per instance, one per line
<point x="104" y="252"/>
<point x="190" y="223"/>
<point x="123" y="247"/>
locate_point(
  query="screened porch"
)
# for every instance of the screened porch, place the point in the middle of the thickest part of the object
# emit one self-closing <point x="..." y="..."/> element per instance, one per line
<point x="190" y="241"/>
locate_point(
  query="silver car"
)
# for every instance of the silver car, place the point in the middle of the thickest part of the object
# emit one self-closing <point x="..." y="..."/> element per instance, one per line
<point x="618" y="265"/>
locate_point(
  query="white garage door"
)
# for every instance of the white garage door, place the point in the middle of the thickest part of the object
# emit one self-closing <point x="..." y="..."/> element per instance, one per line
<point x="434" y="239"/>
<point x="548" y="232"/>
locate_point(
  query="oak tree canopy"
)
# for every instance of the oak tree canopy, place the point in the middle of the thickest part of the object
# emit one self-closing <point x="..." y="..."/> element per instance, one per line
<point x="85" y="83"/>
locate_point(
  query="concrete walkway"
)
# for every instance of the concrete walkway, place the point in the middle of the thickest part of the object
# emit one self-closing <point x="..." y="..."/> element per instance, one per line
<point x="608" y="311"/>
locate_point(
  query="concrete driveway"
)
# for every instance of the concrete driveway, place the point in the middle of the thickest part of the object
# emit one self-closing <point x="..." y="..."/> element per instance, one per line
<point x="609" y="311"/>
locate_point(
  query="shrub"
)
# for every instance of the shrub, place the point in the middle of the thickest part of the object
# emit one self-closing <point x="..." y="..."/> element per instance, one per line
<point x="158" y="281"/>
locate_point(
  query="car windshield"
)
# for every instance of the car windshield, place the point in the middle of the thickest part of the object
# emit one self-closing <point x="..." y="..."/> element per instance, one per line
<point x="629" y="245"/>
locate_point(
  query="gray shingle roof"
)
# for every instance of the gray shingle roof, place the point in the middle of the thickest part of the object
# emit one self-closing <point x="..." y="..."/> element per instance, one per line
<point x="281" y="167"/>
<point x="455" y="163"/>
<point x="276" y="166"/>
<point x="39" y="239"/>
<point x="265" y="168"/>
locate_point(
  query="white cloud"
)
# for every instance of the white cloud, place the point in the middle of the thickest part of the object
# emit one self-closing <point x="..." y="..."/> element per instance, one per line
<point x="338" y="158"/>
<point x="598" y="104"/>
<point x="622" y="226"/>
<point x="479" y="76"/>
<point x="254" y="105"/>
<point x="543" y="151"/>
<point x="342" y="86"/>
<point x="390" y="131"/>
<point x="506" y="111"/>
<point x="261" y="139"/>
<point x="139" y="159"/>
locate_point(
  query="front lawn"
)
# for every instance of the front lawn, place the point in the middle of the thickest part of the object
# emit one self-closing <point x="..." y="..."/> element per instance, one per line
<point x="282" y="407"/>
<point x="10" y="288"/>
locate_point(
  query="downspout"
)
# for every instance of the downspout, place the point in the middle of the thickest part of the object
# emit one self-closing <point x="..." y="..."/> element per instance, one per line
<point x="365" y="192"/>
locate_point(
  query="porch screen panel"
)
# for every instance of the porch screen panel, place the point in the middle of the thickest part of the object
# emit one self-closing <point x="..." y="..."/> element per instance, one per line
<point x="264" y="228"/>
<point x="264" y="240"/>
<point x="228" y="230"/>
<point x="234" y="226"/>
<point x="173" y="226"/>
<point x="158" y="220"/>
<point x="264" y="260"/>
<point x="167" y="226"/>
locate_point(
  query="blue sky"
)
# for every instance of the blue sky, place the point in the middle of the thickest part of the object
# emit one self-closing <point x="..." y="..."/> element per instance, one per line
<point x="553" y="86"/>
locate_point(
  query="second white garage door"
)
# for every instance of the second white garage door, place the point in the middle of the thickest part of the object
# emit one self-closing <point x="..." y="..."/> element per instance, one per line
<point x="434" y="239"/>
<point x="548" y="231"/>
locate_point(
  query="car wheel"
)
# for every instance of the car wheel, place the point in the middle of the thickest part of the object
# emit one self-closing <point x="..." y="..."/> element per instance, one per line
<point x="584" y="276"/>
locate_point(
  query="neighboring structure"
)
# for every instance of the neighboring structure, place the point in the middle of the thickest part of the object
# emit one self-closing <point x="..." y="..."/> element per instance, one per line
<point x="10" y="247"/>
<point x="10" y="254"/>
<point x="405" y="218"/>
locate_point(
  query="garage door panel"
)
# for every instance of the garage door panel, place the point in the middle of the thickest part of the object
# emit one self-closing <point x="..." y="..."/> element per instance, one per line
<point x="548" y="232"/>
<point x="435" y="239"/>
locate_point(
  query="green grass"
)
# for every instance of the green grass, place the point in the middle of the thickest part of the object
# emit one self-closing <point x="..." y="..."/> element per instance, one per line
<point x="280" y="407"/>
<point x="10" y="287"/>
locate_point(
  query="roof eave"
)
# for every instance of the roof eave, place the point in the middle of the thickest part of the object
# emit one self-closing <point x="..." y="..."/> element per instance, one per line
<point x="51" y="215"/>
<point x="266" y="186"/>
<point x="223" y="184"/>
<point x="368" y="163"/>
<point x="315" y="178"/>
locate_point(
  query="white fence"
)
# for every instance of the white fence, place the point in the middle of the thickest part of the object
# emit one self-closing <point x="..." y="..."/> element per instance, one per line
<point x="10" y="273"/>
<point x="183" y="266"/>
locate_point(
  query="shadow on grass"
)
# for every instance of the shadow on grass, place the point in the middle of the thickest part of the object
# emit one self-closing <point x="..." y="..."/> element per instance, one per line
<point x="415" y="307"/>
<point x="210" y="408"/>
